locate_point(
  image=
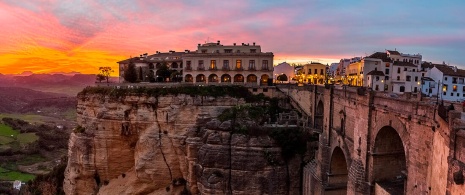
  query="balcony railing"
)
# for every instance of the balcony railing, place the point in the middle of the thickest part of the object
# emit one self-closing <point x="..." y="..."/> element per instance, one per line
<point x="252" y="68"/>
<point x="239" y="69"/>
<point x="225" y="68"/>
<point x="212" y="68"/>
<point x="200" y="68"/>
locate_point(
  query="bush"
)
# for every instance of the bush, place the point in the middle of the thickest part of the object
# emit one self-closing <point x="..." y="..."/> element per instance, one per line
<point x="79" y="129"/>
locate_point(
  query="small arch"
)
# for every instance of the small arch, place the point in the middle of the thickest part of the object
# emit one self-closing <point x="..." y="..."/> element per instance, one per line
<point x="200" y="78"/>
<point x="213" y="78"/>
<point x="264" y="79"/>
<point x="174" y="65"/>
<point x="338" y="172"/>
<point x="188" y="78"/>
<point x="389" y="159"/>
<point x="238" y="78"/>
<point x="251" y="78"/>
<point x="225" y="78"/>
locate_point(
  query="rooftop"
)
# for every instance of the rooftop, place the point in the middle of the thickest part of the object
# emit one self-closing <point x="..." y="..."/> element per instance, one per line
<point x="376" y="73"/>
<point x="405" y="64"/>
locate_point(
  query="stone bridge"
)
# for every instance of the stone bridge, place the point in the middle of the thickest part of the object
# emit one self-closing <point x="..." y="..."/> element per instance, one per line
<point x="377" y="143"/>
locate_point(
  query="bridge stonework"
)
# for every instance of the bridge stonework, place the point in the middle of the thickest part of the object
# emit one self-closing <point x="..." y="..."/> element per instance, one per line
<point x="389" y="145"/>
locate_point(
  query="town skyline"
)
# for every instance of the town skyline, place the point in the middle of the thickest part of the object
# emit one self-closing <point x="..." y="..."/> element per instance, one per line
<point x="80" y="36"/>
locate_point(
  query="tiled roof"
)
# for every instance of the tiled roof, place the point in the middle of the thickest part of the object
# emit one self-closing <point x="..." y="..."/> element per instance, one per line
<point x="400" y="63"/>
<point x="393" y="52"/>
<point x="447" y="70"/>
<point x="427" y="65"/>
<point x="380" y="55"/>
<point x="376" y="73"/>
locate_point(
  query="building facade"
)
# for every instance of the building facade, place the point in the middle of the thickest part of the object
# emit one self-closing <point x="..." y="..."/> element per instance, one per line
<point x="211" y="63"/>
<point x="284" y="69"/>
<point x="449" y="80"/>
<point x="313" y="73"/>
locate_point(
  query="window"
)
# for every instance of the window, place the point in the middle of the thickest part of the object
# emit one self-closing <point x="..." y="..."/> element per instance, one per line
<point x="225" y="64"/>
<point x="408" y="78"/>
<point x="201" y="67"/>
<point x="445" y="78"/>
<point x="228" y="51"/>
<point x="454" y="88"/>
<point x="238" y="64"/>
<point x="377" y="88"/>
<point x="454" y="79"/>
<point x="316" y="71"/>
<point x="376" y="69"/>
<point x="387" y="64"/>
<point x="463" y="89"/>
<point x="188" y="65"/>
<point x="251" y="64"/>
<point x="398" y="77"/>
<point x="458" y="94"/>
<point x="398" y="70"/>
<point x="402" y="89"/>
<point x="451" y="94"/>
<point x="386" y="78"/>
<point x="377" y="78"/>
<point x="416" y="78"/>
<point x="405" y="69"/>
<point x="253" y="51"/>
<point x="212" y="64"/>
<point x="321" y="72"/>
<point x="413" y="70"/>
<point x="265" y="65"/>
<point x="444" y="88"/>
<point x="463" y="95"/>
<point x="415" y="89"/>
<point x="238" y="51"/>
<point x="309" y="71"/>
<point x="387" y="71"/>
<point x="444" y="93"/>
<point x="422" y="74"/>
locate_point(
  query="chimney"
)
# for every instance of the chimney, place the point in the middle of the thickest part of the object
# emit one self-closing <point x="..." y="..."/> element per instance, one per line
<point x="198" y="44"/>
<point x="253" y="43"/>
<point x="156" y="52"/>
<point x="218" y="42"/>
<point x="145" y="55"/>
<point x="141" y="57"/>
<point x="242" y="44"/>
<point x="186" y="51"/>
<point x="234" y="44"/>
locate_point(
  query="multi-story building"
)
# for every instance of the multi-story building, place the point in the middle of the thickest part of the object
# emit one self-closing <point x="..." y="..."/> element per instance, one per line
<point x="210" y="63"/>
<point x="216" y="63"/>
<point x="313" y="73"/>
<point x="449" y="80"/>
<point x="400" y="72"/>
<point x="148" y="65"/>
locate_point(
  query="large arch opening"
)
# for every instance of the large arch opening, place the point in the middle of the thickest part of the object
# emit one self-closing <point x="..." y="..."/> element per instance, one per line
<point x="251" y="78"/>
<point x="264" y="79"/>
<point x="338" y="171"/>
<point x="389" y="161"/>
<point x="189" y="78"/>
<point x="319" y="112"/>
<point x="213" y="78"/>
<point x="200" y="78"/>
<point x="225" y="78"/>
<point x="174" y="65"/>
<point x="238" y="78"/>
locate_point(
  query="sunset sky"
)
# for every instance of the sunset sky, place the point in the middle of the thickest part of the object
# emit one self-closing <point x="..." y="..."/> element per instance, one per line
<point x="62" y="36"/>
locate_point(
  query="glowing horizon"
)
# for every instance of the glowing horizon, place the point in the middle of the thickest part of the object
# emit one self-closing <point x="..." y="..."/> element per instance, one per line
<point x="79" y="36"/>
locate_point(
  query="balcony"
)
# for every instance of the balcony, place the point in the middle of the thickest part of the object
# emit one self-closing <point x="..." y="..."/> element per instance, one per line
<point x="188" y="68"/>
<point x="239" y="69"/>
<point x="225" y="68"/>
<point x="251" y="69"/>
<point x="200" y="68"/>
<point x="213" y="68"/>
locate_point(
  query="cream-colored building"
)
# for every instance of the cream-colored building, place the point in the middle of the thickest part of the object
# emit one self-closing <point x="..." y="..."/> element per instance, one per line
<point x="237" y="64"/>
<point x="313" y="73"/>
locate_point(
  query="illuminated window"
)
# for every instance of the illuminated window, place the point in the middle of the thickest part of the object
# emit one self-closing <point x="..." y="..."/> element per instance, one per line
<point x="213" y="64"/>
<point x="238" y="64"/>
<point x="454" y="88"/>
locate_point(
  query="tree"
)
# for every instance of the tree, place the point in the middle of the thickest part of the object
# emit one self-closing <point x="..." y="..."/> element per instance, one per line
<point x="130" y="73"/>
<point x="100" y="78"/>
<point x="282" y="78"/>
<point x="163" y="72"/>
<point x="105" y="72"/>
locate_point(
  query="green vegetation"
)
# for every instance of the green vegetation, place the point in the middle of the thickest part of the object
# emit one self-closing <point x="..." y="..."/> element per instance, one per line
<point x="79" y="129"/>
<point x="6" y="140"/>
<point x="7" y="131"/>
<point x="27" y="138"/>
<point x="31" y="159"/>
<point x="9" y="175"/>
<point x="213" y="91"/>
<point x="31" y="118"/>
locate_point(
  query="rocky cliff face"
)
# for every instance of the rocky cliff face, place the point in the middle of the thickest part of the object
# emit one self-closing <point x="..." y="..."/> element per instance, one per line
<point x="170" y="145"/>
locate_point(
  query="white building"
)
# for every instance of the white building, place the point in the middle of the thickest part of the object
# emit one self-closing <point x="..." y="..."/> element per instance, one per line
<point x="284" y="68"/>
<point x="451" y="82"/>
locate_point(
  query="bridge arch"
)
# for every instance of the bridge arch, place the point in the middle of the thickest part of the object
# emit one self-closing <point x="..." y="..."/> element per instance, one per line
<point x="338" y="172"/>
<point x="389" y="165"/>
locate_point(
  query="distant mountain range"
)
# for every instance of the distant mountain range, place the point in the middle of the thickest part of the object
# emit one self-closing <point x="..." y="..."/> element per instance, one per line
<point x="68" y="84"/>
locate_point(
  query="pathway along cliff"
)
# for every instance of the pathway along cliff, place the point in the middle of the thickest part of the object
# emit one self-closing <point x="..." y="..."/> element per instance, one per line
<point x="186" y="140"/>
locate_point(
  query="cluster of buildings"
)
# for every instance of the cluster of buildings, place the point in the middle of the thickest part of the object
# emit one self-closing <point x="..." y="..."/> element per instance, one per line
<point x="211" y="63"/>
<point x="388" y="71"/>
